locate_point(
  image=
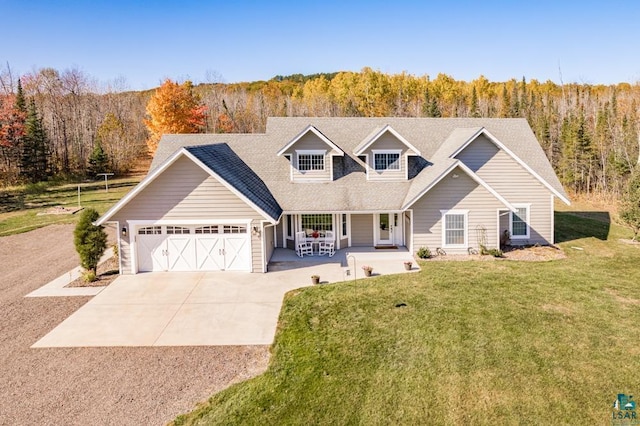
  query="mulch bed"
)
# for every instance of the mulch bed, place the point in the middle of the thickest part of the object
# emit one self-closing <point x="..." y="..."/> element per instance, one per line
<point x="107" y="272"/>
<point x="524" y="253"/>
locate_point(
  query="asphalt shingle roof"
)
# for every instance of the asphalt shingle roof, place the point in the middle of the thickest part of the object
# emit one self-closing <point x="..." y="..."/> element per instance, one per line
<point x="436" y="138"/>
<point x="225" y="163"/>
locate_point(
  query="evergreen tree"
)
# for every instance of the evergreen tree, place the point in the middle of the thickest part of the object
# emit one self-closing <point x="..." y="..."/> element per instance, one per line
<point x="630" y="212"/>
<point x="90" y="240"/>
<point x="504" y="106"/>
<point x="21" y="103"/>
<point x="98" y="162"/>
<point x="474" y="110"/>
<point x="34" y="157"/>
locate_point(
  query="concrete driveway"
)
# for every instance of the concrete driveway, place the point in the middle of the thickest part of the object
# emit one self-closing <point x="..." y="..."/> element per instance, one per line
<point x="181" y="309"/>
<point x="202" y="308"/>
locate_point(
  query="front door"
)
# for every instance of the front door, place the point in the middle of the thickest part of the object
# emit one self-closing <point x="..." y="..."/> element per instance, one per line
<point x="387" y="228"/>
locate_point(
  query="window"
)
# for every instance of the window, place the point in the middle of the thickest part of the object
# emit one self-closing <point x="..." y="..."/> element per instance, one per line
<point x="344" y="225"/>
<point x="316" y="222"/>
<point x="209" y="229"/>
<point x="289" y="226"/>
<point x="386" y="160"/>
<point x="234" y="229"/>
<point x="150" y="230"/>
<point x="520" y="222"/>
<point x="177" y="230"/>
<point x="454" y="225"/>
<point x="311" y="161"/>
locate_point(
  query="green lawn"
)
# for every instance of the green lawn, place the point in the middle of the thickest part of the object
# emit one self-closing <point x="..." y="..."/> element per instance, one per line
<point x="19" y="207"/>
<point x="501" y="342"/>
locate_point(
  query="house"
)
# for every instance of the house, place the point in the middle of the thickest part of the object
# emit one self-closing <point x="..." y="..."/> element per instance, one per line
<point x="226" y="201"/>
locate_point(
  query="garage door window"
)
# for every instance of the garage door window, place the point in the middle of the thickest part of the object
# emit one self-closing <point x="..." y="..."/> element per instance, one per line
<point x="150" y="230"/>
<point x="177" y="230"/>
<point x="235" y="229"/>
<point x="212" y="229"/>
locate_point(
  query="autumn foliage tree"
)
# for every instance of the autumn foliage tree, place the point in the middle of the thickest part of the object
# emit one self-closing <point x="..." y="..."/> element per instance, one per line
<point x="173" y="108"/>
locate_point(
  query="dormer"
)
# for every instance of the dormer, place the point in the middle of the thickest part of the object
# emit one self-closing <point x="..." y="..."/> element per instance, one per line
<point x="310" y="156"/>
<point x="386" y="154"/>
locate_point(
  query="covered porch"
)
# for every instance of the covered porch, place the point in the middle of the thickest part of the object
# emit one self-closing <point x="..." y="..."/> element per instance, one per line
<point x="346" y="264"/>
<point x="349" y="230"/>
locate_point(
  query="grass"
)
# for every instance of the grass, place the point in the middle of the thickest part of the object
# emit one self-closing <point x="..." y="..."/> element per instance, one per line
<point x="19" y="206"/>
<point x="502" y="342"/>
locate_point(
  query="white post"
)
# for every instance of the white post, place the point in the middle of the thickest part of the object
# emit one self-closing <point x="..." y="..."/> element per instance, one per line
<point x="78" y="195"/>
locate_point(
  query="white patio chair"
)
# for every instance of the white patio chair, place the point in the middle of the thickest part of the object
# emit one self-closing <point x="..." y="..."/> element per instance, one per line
<point x="302" y="245"/>
<point x="328" y="245"/>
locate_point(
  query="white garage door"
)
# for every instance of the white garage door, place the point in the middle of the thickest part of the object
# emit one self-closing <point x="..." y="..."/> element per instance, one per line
<point x="193" y="248"/>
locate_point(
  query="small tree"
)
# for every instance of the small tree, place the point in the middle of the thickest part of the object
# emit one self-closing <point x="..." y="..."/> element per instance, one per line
<point x="630" y="212"/>
<point x="90" y="240"/>
<point x="98" y="162"/>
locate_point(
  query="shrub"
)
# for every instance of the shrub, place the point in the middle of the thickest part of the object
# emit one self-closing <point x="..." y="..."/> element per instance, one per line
<point x="89" y="277"/>
<point x="496" y="252"/>
<point x="90" y="240"/>
<point x="424" y="253"/>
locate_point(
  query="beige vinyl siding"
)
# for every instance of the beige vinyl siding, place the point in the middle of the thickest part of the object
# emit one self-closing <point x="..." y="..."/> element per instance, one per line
<point x="269" y="243"/>
<point x="361" y="230"/>
<point x="514" y="183"/>
<point x="406" y="217"/>
<point x="185" y="192"/>
<point x="504" y="221"/>
<point x="387" y="142"/>
<point x="461" y="193"/>
<point x="279" y="241"/>
<point x="310" y="142"/>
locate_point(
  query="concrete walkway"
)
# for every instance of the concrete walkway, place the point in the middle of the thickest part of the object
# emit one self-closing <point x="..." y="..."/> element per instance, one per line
<point x="200" y="308"/>
<point x="57" y="288"/>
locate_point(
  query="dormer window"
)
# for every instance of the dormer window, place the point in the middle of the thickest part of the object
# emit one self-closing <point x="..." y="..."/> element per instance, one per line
<point x="386" y="160"/>
<point x="310" y="160"/>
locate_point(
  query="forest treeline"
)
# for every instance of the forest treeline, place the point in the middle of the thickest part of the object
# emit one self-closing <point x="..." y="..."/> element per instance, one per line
<point x="588" y="132"/>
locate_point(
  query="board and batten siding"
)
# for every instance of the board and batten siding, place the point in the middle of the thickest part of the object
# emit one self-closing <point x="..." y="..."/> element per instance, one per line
<point x="385" y="142"/>
<point x="455" y="193"/>
<point x="361" y="230"/>
<point x="514" y="183"/>
<point x="186" y="192"/>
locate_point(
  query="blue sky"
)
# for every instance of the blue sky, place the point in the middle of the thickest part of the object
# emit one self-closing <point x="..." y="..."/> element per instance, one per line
<point x="147" y="41"/>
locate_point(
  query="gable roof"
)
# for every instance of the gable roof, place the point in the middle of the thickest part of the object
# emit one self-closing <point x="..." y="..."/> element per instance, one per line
<point x="495" y="141"/>
<point x="376" y="134"/>
<point x="219" y="161"/>
<point x="316" y="132"/>
<point x="223" y="162"/>
<point x="436" y="138"/>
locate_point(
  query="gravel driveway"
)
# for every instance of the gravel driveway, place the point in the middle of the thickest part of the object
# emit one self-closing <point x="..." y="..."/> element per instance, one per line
<point x="97" y="386"/>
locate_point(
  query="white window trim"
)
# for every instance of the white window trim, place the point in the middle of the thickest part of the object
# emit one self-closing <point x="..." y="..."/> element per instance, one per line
<point x="466" y="228"/>
<point x="293" y="227"/>
<point x="527" y="222"/>
<point x="311" y="152"/>
<point x="346" y="218"/>
<point x="386" y="151"/>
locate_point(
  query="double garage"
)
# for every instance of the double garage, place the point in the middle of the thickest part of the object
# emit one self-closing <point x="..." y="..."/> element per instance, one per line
<point x="182" y="247"/>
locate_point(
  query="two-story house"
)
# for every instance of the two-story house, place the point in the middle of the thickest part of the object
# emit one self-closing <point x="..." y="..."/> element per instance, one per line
<point x="226" y="201"/>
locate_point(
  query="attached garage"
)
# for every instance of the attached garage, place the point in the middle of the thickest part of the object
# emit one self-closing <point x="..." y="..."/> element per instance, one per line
<point x="224" y="247"/>
<point x="203" y="209"/>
